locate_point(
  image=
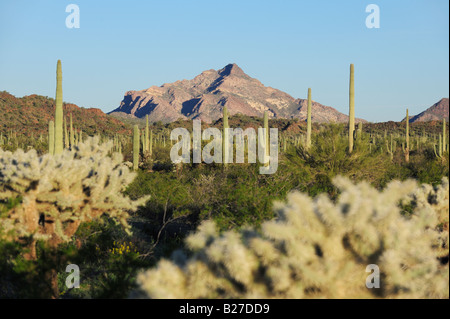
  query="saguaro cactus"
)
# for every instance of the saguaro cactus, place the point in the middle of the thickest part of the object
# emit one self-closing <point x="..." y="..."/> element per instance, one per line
<point x="351" y="118"/>
<point x="72" y="133"/>
<point x="442" y="147"/>
<point x="439" y="153"/>
<point x="136" y="148"/>
<point x="360" y="130"/>
<point x="51" y="137"/>
<point x="59" y="146"/>
<point x="151" y="143"/>
<point x="308" y="124"/>
<point x="146" y="143"/>
<point x="407" y="137"/>
<point x="225" y="143"/>
<point x="66" y="135"/>
<point x="391" y="149"/>
<point x="266" y="126"/>
<point x="444" y="143"/>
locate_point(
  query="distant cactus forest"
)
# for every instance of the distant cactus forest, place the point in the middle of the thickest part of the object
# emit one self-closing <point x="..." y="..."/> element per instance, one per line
<point x="81" y="187"/>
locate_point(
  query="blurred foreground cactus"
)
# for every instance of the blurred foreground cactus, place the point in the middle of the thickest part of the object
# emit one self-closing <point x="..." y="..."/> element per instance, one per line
<point x="320" y="248"/>
<point x="61" y="191"/>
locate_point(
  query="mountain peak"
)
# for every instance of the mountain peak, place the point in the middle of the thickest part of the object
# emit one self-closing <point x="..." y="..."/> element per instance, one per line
<point x="231" y="69"/>
<point x="436" y="112"/>
<point x="205" y="96"/>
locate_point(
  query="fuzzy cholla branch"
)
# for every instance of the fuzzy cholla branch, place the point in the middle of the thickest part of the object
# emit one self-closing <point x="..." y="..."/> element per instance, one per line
<point x="318" y="248"/>
<point x="60" y="191"/>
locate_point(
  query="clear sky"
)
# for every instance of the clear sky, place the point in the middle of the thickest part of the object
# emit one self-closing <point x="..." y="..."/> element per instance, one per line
<point x="286" y="44"/>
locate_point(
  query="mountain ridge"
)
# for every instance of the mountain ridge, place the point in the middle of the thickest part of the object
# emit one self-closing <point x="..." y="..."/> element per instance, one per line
<point x="436" y="112"/>
<point x="31" y="114"/>
<point x="205" y="96"/>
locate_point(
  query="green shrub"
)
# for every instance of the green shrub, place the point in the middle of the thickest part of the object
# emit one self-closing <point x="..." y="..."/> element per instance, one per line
<point x="60" y="192"/>
<point x="319" y="249"/>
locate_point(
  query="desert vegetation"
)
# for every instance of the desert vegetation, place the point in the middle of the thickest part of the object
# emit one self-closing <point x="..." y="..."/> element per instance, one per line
<point x="111" y="201"/>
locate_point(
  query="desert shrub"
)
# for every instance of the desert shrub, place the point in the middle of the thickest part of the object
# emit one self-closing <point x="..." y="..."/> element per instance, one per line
<point x="319" y="248"/>
<point x="108" y="259"/>
<point x="423" y="166"/>
<point x="59" y="192"/>
<point x="328" y="157"/>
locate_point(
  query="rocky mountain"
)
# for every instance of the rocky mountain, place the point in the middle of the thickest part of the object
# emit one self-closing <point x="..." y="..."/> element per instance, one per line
<point x="205" y="96"/>
<point x="31" y="114"/>
<point x="436" y="112"/>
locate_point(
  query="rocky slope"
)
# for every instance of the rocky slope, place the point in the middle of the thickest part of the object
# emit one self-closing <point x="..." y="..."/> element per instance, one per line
<point x="436" y="112"/>
<point x="30" y="114"/>
<point x="205" y="96"/>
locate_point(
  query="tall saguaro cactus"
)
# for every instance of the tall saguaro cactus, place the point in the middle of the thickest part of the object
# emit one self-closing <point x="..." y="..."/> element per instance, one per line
<point x="66" y="136"/>
<point x="308" y="127"/>
<point x="225" y="143"/>
<point x="146" y="143"/>
<point x="59" y="146"/>
<point x="136" y="148"/>
<point x="444" y="142"/>
<point x="51" y="137"/>
<point x="351" y="119"/>
<point x="407" y="137"/>
<point x="266" y="137"/>
<point x="72" y="133"/>
<point x="151" y="143"/>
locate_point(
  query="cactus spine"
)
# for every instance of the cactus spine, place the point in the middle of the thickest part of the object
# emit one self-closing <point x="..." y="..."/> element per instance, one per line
<point x="59" y="111"/>
<point x="51" y="138"/>
<point x="136" y="148"/>
<point x="351" y="120"/>
<point x="308" y="127"/>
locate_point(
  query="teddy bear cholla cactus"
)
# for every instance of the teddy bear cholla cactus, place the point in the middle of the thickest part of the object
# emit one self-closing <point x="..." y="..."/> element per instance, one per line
<point x="318" y="249"/>
<point x="67" y="189"/>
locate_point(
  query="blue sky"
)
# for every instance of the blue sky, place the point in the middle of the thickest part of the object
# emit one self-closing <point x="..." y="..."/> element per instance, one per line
<point x="286" y="44"/>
